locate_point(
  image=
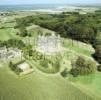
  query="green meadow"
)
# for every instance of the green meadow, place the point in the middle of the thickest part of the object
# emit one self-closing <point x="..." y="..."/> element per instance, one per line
<point x="41" y="86"/>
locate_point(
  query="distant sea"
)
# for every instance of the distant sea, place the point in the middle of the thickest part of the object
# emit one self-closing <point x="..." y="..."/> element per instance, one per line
<point x="29" y="7"/>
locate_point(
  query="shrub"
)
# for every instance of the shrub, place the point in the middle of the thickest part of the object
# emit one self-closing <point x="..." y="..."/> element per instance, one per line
<point x="97" y="41"/>
<point x="14" y="67"/>
<point x="83" y="67"/>
<point x="47" y="34"/>
<point x="99" y="68"/>
<point x="23" y="31"/>
<point x="44" y="63"/>
<point x="17" y="70"/>
<point x="80" y="62"/>
<point x="74" y="72"/>
<point x="97" y="54"/>
<point x="37" y="55"/>
<point x="64" y="72"/>
<point x="11" y="65"/>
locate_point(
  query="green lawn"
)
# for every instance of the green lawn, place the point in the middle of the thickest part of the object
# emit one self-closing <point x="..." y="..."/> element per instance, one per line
<point x="91" y="84"/>
<point x="38" y="86"/>
<point x="8" y="31"/>
<point x="78" y="47"/>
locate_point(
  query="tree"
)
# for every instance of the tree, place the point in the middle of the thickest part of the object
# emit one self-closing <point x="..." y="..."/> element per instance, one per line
<point x="11" y="65"/>
<point x="30" y="52"/>
<point x="97" y="54"/>
<point x="81" y="33"/>
<point x="64" y="72"/>
<point x="44" y="63"/>
<point x="23" y="31"/>
<point x="14" y="43"/>
<point x="80" y="62"/>
<point x="99" y="68"/>
<point x="47" y="34"/>
<point x="83" y="67"/>
<point x="74" y="72"/>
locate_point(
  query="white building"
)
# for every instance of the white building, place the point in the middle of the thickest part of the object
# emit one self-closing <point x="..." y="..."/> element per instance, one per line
<point x="3" y="50"/>
<point x="16" y="52"/>
<point x="48" y="44"/>
<point x="9" y="53"/>
<point x="24" y="66"/>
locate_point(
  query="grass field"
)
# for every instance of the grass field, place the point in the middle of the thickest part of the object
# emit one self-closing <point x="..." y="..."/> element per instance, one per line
<point x="38" y="86"/>
<point x="8" y="31"/>
<point x="89" y="83"/>
<point x="42" y="86"/>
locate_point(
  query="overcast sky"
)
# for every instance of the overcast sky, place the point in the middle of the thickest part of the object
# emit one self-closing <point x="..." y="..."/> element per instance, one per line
<point x="5" y="2"/>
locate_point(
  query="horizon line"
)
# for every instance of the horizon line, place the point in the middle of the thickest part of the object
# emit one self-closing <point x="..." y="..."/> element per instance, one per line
<point x="54" y="4"/>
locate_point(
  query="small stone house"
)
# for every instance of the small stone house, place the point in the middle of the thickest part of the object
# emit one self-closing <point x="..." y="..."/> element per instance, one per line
<point x="24" y="66"/>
